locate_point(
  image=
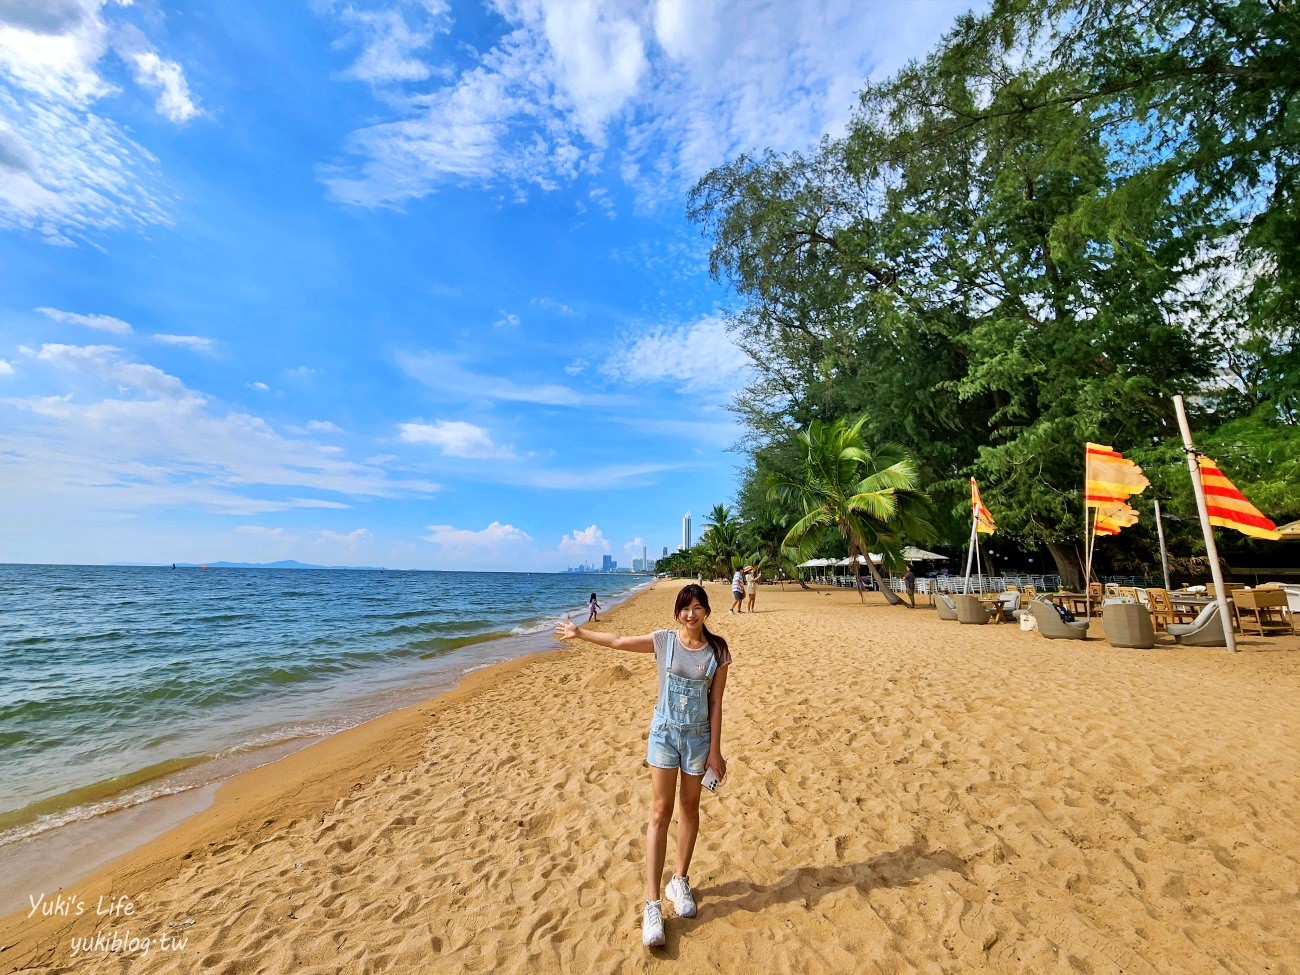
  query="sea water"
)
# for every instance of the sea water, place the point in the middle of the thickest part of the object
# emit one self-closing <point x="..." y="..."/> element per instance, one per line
<point x="121" y="684"/>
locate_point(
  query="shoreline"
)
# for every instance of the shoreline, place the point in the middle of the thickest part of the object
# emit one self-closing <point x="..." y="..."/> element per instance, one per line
<point x="904" y="794"/>
<point x="94" y="841"/>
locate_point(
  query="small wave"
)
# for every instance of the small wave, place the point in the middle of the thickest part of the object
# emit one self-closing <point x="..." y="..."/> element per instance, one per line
<point x="441" y="645"/>
<point x="92" y="800"/>
<point x="542" y="627"/>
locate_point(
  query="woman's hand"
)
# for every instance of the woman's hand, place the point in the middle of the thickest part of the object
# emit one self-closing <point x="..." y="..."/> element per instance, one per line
<point x="718" y="764"/>
<point x="566" y="629"/>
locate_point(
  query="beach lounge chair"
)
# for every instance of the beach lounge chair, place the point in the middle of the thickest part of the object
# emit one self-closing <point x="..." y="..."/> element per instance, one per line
<point x="1011" y="605"/>
<point x="1204" y="631"/>
<point x="946" y="607"/>
<point x="970" y="609"/>
<point x="1128" y="625"/>
<point x="1052" y="626"/>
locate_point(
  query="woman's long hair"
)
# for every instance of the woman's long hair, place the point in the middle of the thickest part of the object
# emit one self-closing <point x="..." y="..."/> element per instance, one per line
<point x="716" y="643"/>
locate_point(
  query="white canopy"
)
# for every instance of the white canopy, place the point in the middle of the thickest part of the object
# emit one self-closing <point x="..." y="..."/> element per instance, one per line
<point x="914" y="554"/>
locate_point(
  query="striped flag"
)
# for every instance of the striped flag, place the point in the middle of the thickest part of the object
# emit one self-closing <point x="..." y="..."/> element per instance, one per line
<point x="983" y="519"/>
<point x="1228" y="507"/>
<point x="1113" y="518"/>
<point x="1110" y="478"/>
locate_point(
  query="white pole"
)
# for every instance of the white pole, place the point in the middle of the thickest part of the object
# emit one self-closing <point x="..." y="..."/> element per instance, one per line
<point x="1211" y="552"/>
<point x="970" y="552"/>
<point x="1164" y="556"/>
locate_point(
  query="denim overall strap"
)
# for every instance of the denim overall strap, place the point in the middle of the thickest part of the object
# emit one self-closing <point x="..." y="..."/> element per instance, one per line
<point x="683" y="702"/>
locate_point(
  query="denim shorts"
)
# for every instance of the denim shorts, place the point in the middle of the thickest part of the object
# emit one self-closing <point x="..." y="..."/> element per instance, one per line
<point x="678" y="746"/>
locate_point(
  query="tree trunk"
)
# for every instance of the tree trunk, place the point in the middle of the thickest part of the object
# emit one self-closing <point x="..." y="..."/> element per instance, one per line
<point x="891" y="597"/>
<point x="1067" y="566"/>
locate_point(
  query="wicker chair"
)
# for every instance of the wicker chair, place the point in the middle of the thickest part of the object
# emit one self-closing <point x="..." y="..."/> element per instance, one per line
<point x="1052" y="626"/>
<point x="1128" y="625"/>
<point x="970" y="610"/>
<point x="946" y="607"/>
<point x="1204" y="631"/>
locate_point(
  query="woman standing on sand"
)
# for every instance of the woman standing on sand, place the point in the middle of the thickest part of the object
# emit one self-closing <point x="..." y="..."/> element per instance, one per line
<point x="685" y="733"/>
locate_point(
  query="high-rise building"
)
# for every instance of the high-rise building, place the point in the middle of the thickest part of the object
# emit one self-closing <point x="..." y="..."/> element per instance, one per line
<point x="686" y="531"/>
<point x="645" y="560"/>
<point x="606" y="563"/>
<point x="665" y="555"/>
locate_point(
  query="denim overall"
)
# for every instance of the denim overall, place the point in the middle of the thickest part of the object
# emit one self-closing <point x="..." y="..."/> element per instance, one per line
<point x="679" y="731"/>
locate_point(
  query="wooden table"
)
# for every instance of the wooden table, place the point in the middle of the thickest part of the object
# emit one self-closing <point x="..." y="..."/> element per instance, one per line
<point x="1078" y="601"/>
<point x="995" y="605"/>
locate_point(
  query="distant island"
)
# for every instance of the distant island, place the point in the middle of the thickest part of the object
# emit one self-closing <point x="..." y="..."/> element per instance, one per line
<point x="286" y="564"/>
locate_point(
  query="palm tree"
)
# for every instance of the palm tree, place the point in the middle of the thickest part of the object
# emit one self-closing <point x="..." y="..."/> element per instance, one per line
<point x="869" y="497"/>
<point x="721" y="540"/>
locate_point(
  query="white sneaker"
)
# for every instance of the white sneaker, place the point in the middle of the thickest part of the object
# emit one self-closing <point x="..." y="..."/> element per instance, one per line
<point x="679" y="892"/>
<point x="652" y="925"/>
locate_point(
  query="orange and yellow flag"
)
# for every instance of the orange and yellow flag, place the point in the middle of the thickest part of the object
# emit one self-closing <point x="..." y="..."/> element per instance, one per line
<point x="1114" y="518"/>
<point x="1110" y="478"/>
<point x="1228" y="507"/>
<point x="983" y="519"/>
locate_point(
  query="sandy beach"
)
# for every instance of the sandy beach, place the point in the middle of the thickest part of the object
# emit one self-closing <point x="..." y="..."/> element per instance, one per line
<point x="905" y="795"/>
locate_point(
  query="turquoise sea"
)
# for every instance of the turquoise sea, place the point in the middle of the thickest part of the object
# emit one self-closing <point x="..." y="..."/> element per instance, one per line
<point x="120" y="684"/>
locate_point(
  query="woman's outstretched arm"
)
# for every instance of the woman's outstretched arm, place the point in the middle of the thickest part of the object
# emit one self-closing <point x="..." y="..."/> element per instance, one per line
<point x="566" y="629"/>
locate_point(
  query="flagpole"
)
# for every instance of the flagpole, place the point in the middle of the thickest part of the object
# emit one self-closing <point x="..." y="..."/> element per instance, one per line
<point x="1164" y="556"/>
<point x="1211" y="551"/>
<point x="970" y="549"/>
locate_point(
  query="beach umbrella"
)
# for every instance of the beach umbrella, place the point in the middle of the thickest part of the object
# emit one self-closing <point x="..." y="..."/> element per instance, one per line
<point x="1290" y="530"/>
<point x="913" y="554"/>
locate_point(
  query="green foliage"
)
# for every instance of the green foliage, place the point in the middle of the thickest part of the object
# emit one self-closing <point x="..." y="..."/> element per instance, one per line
<point x="870" y="497"/>
<point x="1066" y="214"/>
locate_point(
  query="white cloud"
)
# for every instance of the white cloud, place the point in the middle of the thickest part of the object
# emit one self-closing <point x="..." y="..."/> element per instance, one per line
<point x="121" y="435"/>
<point x="323" y="426"/>
<point x="576" y="366"/>
<point x="195" y="342"/>
<point x="507" y="318"/>
<point x="156" y="73"/>
<point x="584" y="543"/>
<point x="455" y="438"/>
<point x="390" y="39"/>
<point x="700" y="355"/>
<point x="6" y="368"/>
<point x="262" y="531"/>
<point x="495" y="546"/>
<point x="66" y="170"/>
<point x="260" y="387"/>
<point x="446" y="375"/>
<point x="350" y="540"/>
<point x="658" y="92"/>
<point x="105" y="323"/>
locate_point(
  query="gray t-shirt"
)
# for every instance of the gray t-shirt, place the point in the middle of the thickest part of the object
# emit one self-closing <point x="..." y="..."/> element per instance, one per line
<point x="691" y="664"/>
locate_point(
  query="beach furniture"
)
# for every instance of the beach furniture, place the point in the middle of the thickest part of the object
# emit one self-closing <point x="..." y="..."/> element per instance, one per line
<point x="1204" y="631"/>
<point x="1052" y="626"/>
<point x="1264" y="610"/>
<point x="1128" y="625"/>
<point x="1162" y="608"/>
<point x="970" y="609"/>
<point x="946" y="607"/>
<point x="1010" y="601"/>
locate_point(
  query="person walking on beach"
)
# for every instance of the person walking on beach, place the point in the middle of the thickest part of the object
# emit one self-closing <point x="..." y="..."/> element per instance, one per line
<point x="737" y="591"/>
<point x="752" y="575"/>
<point x="909" y="585"/>
<point x="685" y="735"/>
<point x="594" y="608"/>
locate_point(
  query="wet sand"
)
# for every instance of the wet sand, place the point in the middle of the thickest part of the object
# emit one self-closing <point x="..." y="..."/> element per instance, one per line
<point x="905" y="795"/>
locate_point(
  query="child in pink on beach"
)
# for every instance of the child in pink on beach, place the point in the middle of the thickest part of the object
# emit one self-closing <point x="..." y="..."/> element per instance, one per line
<point x="594" y="607"/>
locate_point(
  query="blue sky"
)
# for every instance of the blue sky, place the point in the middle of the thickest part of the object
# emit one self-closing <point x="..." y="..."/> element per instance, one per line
<point x="386" y="282"/>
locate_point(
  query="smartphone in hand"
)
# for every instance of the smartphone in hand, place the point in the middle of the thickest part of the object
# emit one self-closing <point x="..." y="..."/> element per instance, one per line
<point x="710" y="780"/>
